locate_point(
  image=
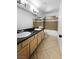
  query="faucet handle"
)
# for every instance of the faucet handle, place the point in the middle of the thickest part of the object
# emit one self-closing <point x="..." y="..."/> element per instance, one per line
<point x="22" y="30"/>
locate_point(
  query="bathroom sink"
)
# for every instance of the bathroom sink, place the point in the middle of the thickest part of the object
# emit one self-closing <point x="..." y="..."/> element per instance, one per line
<point x="37" y="29"/>
<point x="23" y="34"/>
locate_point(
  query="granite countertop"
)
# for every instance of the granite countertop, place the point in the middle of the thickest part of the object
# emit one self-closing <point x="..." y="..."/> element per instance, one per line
<point x="33" y="32"/>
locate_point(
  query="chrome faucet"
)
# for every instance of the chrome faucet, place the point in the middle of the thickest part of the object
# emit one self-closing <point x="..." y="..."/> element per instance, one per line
<point x="22" y="30"/>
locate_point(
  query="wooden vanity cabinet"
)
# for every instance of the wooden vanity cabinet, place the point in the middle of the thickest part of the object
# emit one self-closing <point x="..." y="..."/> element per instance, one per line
<point x="19" y="46"/>
<point x="24" y="43"/>
<point x="33" y="44"/>
<point x="42" y="35"/>
<point x="23" y="53"/>
<point x="39" y="38"/>
<point x="28" y="46"/>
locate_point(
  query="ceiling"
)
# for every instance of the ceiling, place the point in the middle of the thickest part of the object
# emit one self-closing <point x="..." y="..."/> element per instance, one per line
<point x="46" y="5"/>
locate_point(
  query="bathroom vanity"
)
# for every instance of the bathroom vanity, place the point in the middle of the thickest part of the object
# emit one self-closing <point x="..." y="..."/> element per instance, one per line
<point x="27" y="45"/>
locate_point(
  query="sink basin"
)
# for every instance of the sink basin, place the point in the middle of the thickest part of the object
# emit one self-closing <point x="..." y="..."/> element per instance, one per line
<point x="23" y="34"/>
<point x="37" y="29"/>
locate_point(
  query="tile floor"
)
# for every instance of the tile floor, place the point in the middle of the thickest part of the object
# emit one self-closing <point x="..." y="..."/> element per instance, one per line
<point x="48" y="49"/>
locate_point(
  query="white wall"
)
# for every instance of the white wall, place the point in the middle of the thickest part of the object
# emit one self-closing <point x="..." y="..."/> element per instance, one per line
<point x="55" y="13"/>
<point x="60" y="20"/>
<point x="24" y="19"/>
<point x="60" y="26"/>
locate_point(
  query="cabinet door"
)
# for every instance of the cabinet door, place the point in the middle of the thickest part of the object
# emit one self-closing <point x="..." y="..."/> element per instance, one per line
<point x="42" y="35"/>
<point x="33" y="44"/>
<point x="36" y="39"/>
<point x="39" y="38"/>
<point x="24" y="43"/>
<point x="18" y="47"/>
<point x="23" y="53"/>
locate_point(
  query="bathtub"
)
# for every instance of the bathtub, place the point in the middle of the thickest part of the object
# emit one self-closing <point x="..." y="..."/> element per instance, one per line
<point x="51" y="32"/>
<point x="54" y="33"/>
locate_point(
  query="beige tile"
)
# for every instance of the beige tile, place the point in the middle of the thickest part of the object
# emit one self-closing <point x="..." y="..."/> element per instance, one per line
<point x="48" y="49"/>
<point x="43" y="55"/>
<point x="53" y="54"/>
<point x="34" y="56"/>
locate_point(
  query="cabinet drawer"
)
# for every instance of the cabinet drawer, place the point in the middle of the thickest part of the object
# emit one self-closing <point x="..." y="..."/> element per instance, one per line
<point x="19" y="47"/>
